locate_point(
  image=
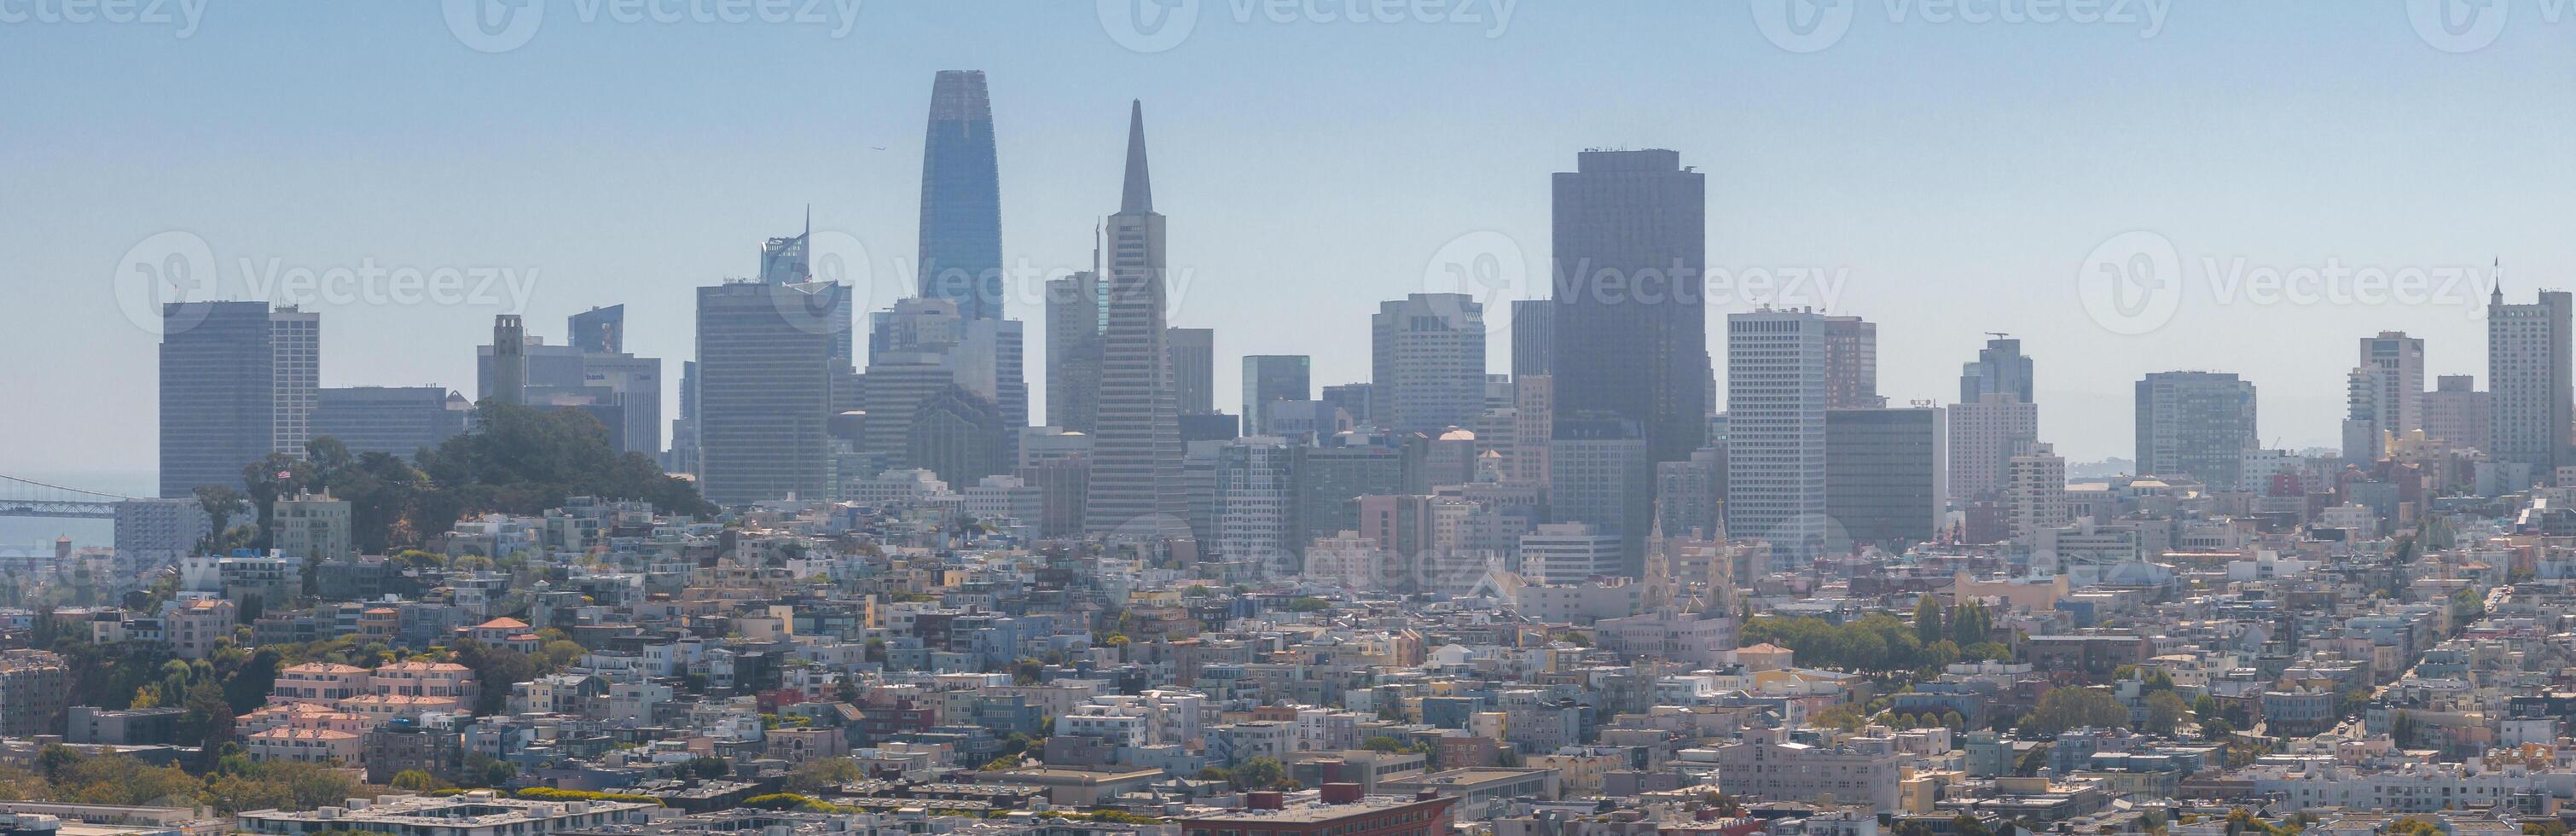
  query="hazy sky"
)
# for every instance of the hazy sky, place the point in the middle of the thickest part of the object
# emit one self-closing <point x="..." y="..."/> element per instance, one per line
<point x="1949" y="177"/>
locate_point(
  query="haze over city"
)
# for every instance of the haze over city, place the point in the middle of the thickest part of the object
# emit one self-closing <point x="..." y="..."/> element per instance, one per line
<point x="1948" y="178"/>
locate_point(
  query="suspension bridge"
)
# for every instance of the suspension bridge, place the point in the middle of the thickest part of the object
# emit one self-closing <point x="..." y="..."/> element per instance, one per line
<point x="22" y="497"/>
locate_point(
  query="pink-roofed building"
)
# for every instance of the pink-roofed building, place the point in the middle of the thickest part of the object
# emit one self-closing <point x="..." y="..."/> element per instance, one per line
<point x="424" y="679"/>
<point x="504" y="632"/>
<point x="380" y="708"/>
<point x="301" y="715"/>
<point x="318" y="682"/>
<point x="292" y="744"/>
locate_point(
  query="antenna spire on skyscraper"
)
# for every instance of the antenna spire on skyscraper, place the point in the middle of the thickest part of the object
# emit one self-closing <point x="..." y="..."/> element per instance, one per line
<point x="1138" y="195"/>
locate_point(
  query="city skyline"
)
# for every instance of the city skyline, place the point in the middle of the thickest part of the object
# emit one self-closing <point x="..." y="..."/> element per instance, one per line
<point x="2087" y="368"/>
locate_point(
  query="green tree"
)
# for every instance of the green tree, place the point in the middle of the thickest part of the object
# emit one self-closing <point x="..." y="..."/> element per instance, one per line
<point x="2165" y="710"/>
<point x="413" y="780"/>
<point x="1259" y="774"/>
<point x="2065" y="708"/>
<point x="1927" y="619"/>
<point x="823" y="774"/>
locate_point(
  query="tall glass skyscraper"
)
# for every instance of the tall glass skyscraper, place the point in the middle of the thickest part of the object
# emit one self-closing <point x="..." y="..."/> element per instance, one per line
<point x="961" y="198"/>
<point x="218" y="393"/>
<point x="1631" y="327"/>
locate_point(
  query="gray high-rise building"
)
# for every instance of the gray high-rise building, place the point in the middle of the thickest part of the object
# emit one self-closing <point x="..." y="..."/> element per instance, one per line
<point x="396" y="420"/>
<point x="295" y="340"/>
<point x="157" y="532"/>
<point x="1884" y="479"/>
<point x="683" y="455"/>
<point x="600" y="330"/>
<point x="768" y="362"/>
<point x="1136" y="452"/>
<point x="922" y="349"/>
<point x="1428" y="362"/>
<point x="1599" y="472"/>
<point x="218" y="393"/>
<point x="1851" y="363"/>
<point x="2000" y="367"/>
<point x="1273" y="377"/>
<point x="1353" y="399"/>
<point x="2528" y="381"/>
<point x="1533" y="336"/>
<point x="1193" y="357"/>
<point x="1631" y="327"/>
<point x="1332" y="476"/>
<point x="1776" y="402"/>
<point x="2456" y="412"/>
<point x="1074" y="319"/>
<point x="2196" y="424"/>
<point x="961" y="198"/>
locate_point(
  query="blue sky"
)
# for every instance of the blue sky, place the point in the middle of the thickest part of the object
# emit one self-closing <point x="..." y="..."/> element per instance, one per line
<point x="1956" y="177"/>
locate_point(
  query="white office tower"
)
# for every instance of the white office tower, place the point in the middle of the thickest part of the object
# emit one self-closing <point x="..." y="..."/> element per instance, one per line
<point x="1984" y="434"/>
<point x="1568" y="553"/>
<point x="2384" y="395"/>
<point x="1776" y="399"/>
<point x="1428" y="362"/>
<point x="295" y="338"/>
<point x="1136" y="488"/>
<point x="1256" y="496"/>
<point x="2035" y="492"/>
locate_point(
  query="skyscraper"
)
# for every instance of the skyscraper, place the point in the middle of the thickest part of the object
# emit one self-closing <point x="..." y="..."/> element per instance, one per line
<point x="1256" y="503"/>
<point x="1599" y="473"/>
<point x="961" y="198"/>
<point x="1999" y="367"/>
<point x="1630" y="331"/>
<point x="1851" y="363"/>
<point x="1776" y="372"/>
<point x="1984" y="436"/>
<point x="2528" y="381"/>
<point x="2196" y="424"/>
<point x="1074" y="319"/>
<point x="1884" y="484"/>
<point x="2035" y="493"/>
<point x="1273" y="377"/>
<point x="218" y="393"/>
<point x="765" y="379"/>
<point x="295" y="341"/>
<point x="2456" y="412"/>
<point x="1193" y="360"/>
<point x="398" y="420"/>
<point x="598" y="330"/>
<point x="1533" y="336"/>
<point x="2384" y="395"/>
<point x="1136" y="455"/>
<point x="922" y="349"/>
<point x="1428" y="358"/>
